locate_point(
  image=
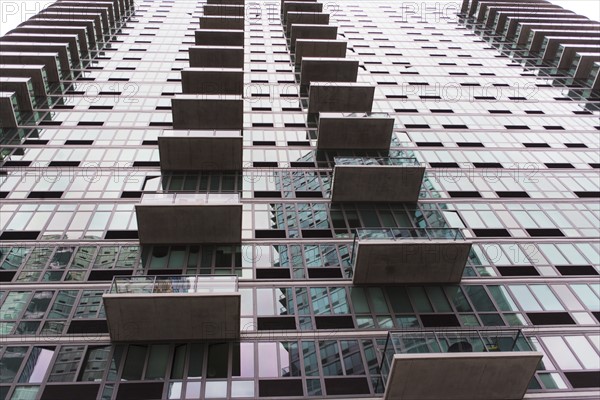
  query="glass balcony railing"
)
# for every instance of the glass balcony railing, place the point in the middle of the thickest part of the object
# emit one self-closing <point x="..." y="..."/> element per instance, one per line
<point x="174" y="284"/>
<point x="408" y="233"/>
<point x="150" y="199"/>
<point x="396" y="161"/>
<point x="451" y="341"/>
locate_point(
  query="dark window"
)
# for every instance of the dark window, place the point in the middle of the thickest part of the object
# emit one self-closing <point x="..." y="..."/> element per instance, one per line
<point x="270" y="233"/>
<point x="429" y="144"/>
<point x="346" y="386"/>
<point x="588" y="195"/>
<point x="444" y="165"/>
<point x="19" y="235"/>
<point x="272" y="273"/>
<point x="516" y="127"/>
<point x="316" y="233"/>
<point x="275" y="323"/>
<point x="544" y="232"/>
<point x="576" y="145"/>
<point x="140" y="391"/>
<point x="334" y="322"/>
<point x="584" y="379"/>
<point x="526" y="270"/>
<point x="265" y="164"/>
<point x="439" y="320"/>
<point x="280" y="388"/>
<point x="551" y="318"/>
<point x="559" y="165"/>
<point x="146" y="163"/>
<point x="44" y="195"/>
<point x="491" y="233"/>
<point x="309" y="194"/>
<point x="487" y="165"/>
<point x="64" y="163"/>
<point x="416" y="126"/>
<point x="267" y="194"/>
<point x="79" y="142"/>
<point x="568" y="270"/>
<point x="464" y="194"/>
<point x="121" y="235"/>
<point x="536" y="145"/>
<point x="469" y="144"/>
<point x="324" y="273"/>
<point x="455" y="127"/>
<point x="513" y="194"/>
<point x="71" y="391"/>
<point x="88" y="326"/>
<point x="131" y="194"/>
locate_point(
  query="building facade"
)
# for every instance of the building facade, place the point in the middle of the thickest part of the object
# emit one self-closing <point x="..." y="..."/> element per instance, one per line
<point x="345" y="199"/>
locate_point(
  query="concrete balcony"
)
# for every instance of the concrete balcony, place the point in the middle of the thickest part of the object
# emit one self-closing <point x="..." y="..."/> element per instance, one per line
<point x="36" y="73"/>
<point x="229" y="10"/>
<point x="80" y="31"/>
<point x="376" y="180"/>
<point x="219" y="22"/>
<point x="200" y="150"/>
<point x="23" y="88"/>
<point x="70" y="39"/>
<point x="299" y="6"/>
<point x="311" y="31"/>
<point x="349" y="131"/>
<point x="9" y="110"/>
<point x="81" y="12"/>
<point x="208" y="112"/>
<point x="216" y="57"/>
<point x="404" y="256"/>
<point x="327" y="70"/>
<point x="319" y="48"/>
<point x="313" y="18"/>
<point x="212" y="81"/>
<point x="106" y="8"/>
<point x="61" y="49"/>
<point x="340" y="97"/>
<point x="189" y="218"/>
<point x="48" y="60"/>
<point x="100" y="25"/>
<point x="114" y="6"/>
<point x="93" y="35"/>
<point x="458" y="365"/>
<point x="173" y="308"/>
<point x="219" y="37"/>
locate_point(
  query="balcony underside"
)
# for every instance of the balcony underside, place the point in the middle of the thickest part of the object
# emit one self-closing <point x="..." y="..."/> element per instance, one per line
<point x="340" y="97"/>
<point x="219" y="37"/>
<point x="346" y="132"/>
<point x="319" y="48"/>
<point x="376" y="183"/>
<point x="208" y="112"/>
<point x="461" y="376"/>
<point x="210" y="153"/>
<point x="410" y="261"/>
<point x="158" y="317"/>
<point x="189" y="224"/>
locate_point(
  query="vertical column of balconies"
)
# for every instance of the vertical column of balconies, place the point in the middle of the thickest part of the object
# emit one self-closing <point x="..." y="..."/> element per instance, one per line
<point x="206" y="138"/>
<point x="341" y="109"/>
<point x="41" y="52"/>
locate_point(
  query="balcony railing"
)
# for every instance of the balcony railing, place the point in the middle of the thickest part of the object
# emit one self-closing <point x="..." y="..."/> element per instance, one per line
<point x="181" y="199"/>
<point x="395" y="161"/>
<point x="174" y="284"/>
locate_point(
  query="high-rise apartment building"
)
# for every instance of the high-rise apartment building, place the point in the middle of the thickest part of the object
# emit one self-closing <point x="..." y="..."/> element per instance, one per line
<point x="298" y="199"/>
